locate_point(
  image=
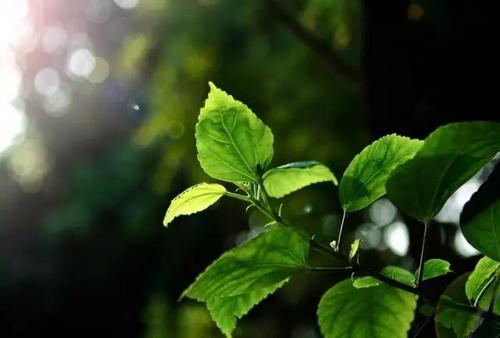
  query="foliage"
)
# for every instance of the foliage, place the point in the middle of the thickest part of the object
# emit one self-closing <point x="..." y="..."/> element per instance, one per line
<point x="418" y="176"/>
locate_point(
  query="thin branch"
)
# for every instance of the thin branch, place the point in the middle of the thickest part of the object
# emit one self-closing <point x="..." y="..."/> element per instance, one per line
<point x="324" y="50"/>
<point x="422" y="254"/>
<point x="337" y="245"/>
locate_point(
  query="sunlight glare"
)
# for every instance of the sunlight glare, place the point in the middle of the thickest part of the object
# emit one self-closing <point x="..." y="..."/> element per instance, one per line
<point x="13" y="23"/>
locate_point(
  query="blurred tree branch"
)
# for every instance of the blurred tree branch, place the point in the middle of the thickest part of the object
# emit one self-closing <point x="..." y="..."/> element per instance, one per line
<point x="324" y="50"/>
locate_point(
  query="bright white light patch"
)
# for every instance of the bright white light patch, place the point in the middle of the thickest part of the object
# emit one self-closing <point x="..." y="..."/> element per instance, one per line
<point x="12" y="124"/>
<point x="463" y="247"/>
<point x="450" y="213"/>
<point x="81" y="62"/>
<point x="126" y="4"/>
<point x="396" y="237"/>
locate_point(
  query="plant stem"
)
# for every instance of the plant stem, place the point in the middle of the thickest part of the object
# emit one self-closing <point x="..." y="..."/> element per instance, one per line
<point x="339" y="238"/>
<point x="265" y="207"/>
<point x="237" y="196"/>
<point x="362" y="270"/>
<point x="422" y="254"/>
<point x="333" y="268"/>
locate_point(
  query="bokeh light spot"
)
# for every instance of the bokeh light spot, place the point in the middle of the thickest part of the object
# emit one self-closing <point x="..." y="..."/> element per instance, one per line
<point x="81" y="62"/>
<point x="396" y="237"/>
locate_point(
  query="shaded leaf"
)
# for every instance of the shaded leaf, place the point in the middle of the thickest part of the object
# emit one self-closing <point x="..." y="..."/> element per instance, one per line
<point x="225" y="311"/>
<point x="375" y="312"/>
<point x="294" y="176"/>
<point x="364" y="179"/>
<point x="194" y="199"/>
<point x="450" y="156"/>
<point x="232" y="143"/>
<point x="259" y="263"/>
<point x="399" y="274"/>
<point x="480" y="219"/>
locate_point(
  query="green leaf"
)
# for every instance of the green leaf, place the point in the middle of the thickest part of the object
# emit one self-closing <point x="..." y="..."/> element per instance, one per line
<point x="454" y="317"/>
<point x="194" y="199"/>
<point x="365" y="282"/>
<point x="375" y="312"/>
<point x="457" y="317"/>
<point x="354" y="249"/>
<point x="434" y="267"/>
<point x="399" y="274"/>
<point x="364" y="179"/>
<point x="259" y="263"/>
<point x="480" y="219"/>
<point x="480" y="278"/>
<point x="225" y="311"/>
<point x="294" y="176"/>
<point x="450" y="156"/>
<point x="232" y="143"/>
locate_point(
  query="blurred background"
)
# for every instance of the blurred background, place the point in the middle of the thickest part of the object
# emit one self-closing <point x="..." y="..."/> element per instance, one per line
<point x="98" y="102"/>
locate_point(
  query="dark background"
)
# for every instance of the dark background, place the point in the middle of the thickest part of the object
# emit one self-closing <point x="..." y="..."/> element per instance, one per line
<point x="82" y="248"/>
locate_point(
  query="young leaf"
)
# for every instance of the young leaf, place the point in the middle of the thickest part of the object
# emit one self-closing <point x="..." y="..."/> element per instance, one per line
<point x="364" y="179"/>
<point x="399" y="274"/>
<point x="225" y="311"/>
<point x="375" y="312"/>
<point x="365" y="282"/>
<point x="194" y="199"/>
<point x="434" y="268"/>
<point x="354" y="249"/>
<point x="449" y="157"/>
<point x="232" y="143"/>
<point x="291" y="177"/>
<point x="480" y="219"/>
<point x="259" y="263"/>
<point x="480" y="278"/>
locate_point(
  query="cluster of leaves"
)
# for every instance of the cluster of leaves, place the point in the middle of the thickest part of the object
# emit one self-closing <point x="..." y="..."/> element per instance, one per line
<point x="417" y="176"/>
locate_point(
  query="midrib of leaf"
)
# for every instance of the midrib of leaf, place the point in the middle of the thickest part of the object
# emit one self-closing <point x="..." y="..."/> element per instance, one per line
<point x="233" y="143"/>
<point x="440" y="182"/>
<point x="229" y="164"/>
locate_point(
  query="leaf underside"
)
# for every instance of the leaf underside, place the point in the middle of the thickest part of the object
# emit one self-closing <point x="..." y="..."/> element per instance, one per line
<point x="291" y="177"/>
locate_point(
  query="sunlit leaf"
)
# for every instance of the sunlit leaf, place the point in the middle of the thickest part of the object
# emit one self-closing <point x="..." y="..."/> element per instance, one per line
<point x="225" y="311"/>
<point x="365" y="282"/>
<point x="375" y="312"/>
<point x="364" y="179"/>
<point x="291" y="177"/>
<point x="399" y="274"/>
<point x="232" y="143"/>
<point x="449" y="157"/>
<point x="259" y="263"/>
<point x="480" y="278"/>
<point x="434" y="267"/>
<point x="480" y="219"/>
<point x="194" y="199"/>
<point x="354" y="248"/>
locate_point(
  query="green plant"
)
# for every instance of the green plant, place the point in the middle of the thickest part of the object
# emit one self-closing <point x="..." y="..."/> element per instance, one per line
<point x="417" y="176"/>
